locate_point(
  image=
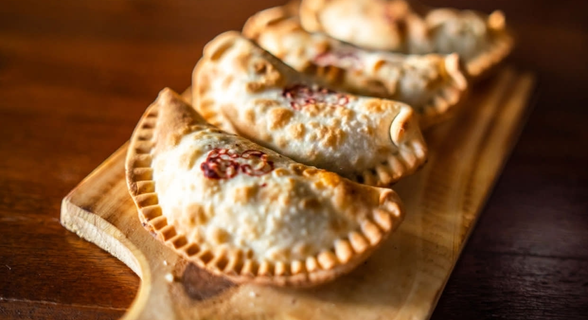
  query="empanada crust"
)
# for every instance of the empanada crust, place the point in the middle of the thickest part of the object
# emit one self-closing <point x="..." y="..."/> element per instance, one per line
<point x="245" y="212"/>
<point x="369" y="140"/>
<point x="481" y="40"/>
<point x="434" y="85"/>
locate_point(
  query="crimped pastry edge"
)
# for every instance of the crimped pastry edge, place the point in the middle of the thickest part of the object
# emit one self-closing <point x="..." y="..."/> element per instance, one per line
<point x="499" y="50"/>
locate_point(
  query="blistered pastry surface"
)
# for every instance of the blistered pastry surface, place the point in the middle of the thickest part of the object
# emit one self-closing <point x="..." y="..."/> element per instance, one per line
<point x="273" y="105"/>
<point x="244" y="211"/>
<point x="431" y="84"/>
<point x="273" y="214"/>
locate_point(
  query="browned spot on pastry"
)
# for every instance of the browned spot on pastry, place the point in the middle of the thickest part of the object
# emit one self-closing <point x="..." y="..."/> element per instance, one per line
<point x="175" y="139"/>
<point x="329" y="136"/>
<point x="274" y="77"/>
<point x="330" y="179"/>
<point x="255" y="86"/>
<point x="264" y="104"/>
<point x="312" y="154"/>
<point x="375" y="105"/>
<point x="296" y="131"/>
<point x="322" y="46"/>
<point x="313" y="110"/>
<point x="184" y="160"/>
<point x="379" y="64"/>
<point x="335" y="123"/>
<point x="309" y="172"/>
<point x="245" y="194"/>
<point x="369" y="131"/>
<point x="219" y="236"/>
<point x="279" y="117"/>
<point x="297" y="168"/>
<point x="311" y="204"/>
<point x="243" y="60"/>
<point x="197" y="236"/>
<point x="227" y="81"/>
<point x="320" y="185"/>
<point x="281" y="142"/>
<point x="269" y="76"/>
<point x="280" y="172"/>
<point x="250" y="230"/>
<point x="330" y="140"/>
<point x="261" y="66"/>
<point x="200" y="285"/>
<point x="189" y="159"/>
<point x="249" y="116"/>
<point x="313" y="124"/>
<point x="344" y="113"/>
<point x="281" y="20"/>
<point x="265" y="136"/>
<point x="321" y="131"/>
<point x="203" y="86"/>
<point x="197" y="214"/>
<point x="343" y="193"/>
<point x="332" y="137"/>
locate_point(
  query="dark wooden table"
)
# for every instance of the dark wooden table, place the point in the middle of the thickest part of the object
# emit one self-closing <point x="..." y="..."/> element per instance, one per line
<point x="76" y="75"/>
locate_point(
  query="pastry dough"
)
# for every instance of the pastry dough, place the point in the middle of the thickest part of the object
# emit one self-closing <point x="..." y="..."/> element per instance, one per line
<point x="246" y="212"/>
<point x="431" y="84"/>
<point x="369" y="140"/>
<point x="481" y="40"/>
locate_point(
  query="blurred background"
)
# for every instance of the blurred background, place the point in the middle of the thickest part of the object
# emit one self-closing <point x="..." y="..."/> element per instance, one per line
<point x="76" y="75"/>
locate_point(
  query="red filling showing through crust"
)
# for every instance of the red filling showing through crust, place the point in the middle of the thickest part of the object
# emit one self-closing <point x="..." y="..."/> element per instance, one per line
<point x="300" y="95"/>
<point x="225" y="164"/>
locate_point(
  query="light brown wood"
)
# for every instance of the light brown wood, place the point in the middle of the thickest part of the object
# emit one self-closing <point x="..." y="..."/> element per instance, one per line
<point x="402" y="280"/>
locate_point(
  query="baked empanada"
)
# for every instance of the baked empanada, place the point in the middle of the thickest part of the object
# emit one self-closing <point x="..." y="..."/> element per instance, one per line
<point x="481" y="40"/>
<point x="246" y="212"/>
<point x="431" y="84"/>
<point x="369" y="140"/>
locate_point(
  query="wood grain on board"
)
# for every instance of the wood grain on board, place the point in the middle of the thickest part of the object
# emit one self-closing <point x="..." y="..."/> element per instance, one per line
<point x="402" y="280"/>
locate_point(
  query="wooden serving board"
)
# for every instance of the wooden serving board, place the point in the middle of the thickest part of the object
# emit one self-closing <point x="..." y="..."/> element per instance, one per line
<point x="402" y="280"/>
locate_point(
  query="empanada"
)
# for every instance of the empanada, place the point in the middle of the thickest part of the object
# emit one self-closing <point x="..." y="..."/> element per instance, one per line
<point x="431" y="84"/>
<point x="481" y="40"/>
<point x="369" y="140"/>
<point x="246" y="212"/>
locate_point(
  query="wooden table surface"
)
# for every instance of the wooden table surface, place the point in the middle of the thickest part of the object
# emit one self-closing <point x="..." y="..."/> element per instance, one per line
<point x="76" y="75"/>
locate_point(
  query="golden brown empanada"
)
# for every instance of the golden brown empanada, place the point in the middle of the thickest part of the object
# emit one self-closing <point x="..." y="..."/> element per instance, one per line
<point x="370" y="140"/>
<point x="431" y="84"/>
<point x="246" y="212"/>
<point x="481" y="40"/>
